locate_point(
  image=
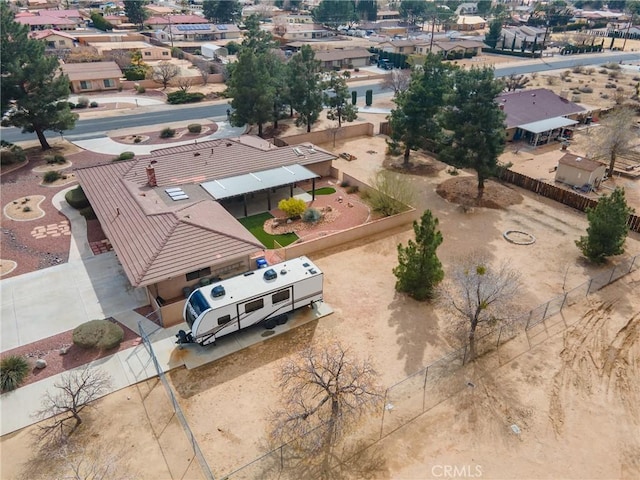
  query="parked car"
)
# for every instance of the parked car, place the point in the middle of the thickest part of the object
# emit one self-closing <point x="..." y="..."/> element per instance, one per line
<point x="385" y="64"/>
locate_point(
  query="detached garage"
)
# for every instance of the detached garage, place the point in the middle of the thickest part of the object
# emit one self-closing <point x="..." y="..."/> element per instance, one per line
<point x="580" y="172"/>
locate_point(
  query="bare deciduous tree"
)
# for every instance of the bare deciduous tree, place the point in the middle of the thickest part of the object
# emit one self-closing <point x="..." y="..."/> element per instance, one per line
<point x="185" y="83"/>
<point x="398" y="80"/>
<point x="204" y="68"/>
<point x="515" y="82"/>
<point x="615" y="136"/>
<point x="475" y="294"/>
<point x="120" y="56"/>
<point x="325" y="392"/>
<point x="74" y="392"/>
<point x="164" y="72"/>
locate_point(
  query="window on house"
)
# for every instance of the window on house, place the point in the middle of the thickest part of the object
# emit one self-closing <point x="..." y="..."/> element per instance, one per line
<point x="85" y="85"/>
<point x="165" y="54"/>
<point x="280" y="296"/>
<point x="147" y="54"/>
<point x="51" y="44"/>
<point x="203" y="272"/>
<point x="61" y="43"/>
<point x="109" y="83"/>
<point x="254" y="305"/>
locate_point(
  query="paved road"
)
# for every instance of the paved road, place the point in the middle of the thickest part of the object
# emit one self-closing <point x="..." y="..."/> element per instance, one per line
<point x="153" y="115"/>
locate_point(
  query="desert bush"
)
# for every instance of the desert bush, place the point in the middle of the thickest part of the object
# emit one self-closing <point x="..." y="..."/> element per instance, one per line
<point x="344" y="184"/>
<point x="586" y="89"/>
<point x="578" y="69"/>
<point x="124" y="156"/>
<point x="167" y="133"/>
<point x="614" y="75"/>
<point x="311" y="215"/>
<point x="564" y="75"/>
<point x="391" y="193"/>
<point x="603" y="71"/>
<point x="611" y="66"/>
<point x="26" y="209"/>
<point x="93" y="104"/>
<point x="292" y="207"/>
<point x="100" y="334"/>
<point x="140" y="89"/>
<point x="552" y="80"/>
<point x="393" y="147"/>
<point x="13" y="370"/>
<point x="76" y="198"/>
<point x="59" y="159"/>
<point x="181" y="96"/>
<point x="194" y="128"/>
<point x="589" y="71"/>
<point x="51" y="176"/>
<point x="83" y="102"/>
<point x="88" y="213"/>
<point x="353" y="189"/>
<point x="10" y="154"/>
<point x="137" y="140"/>
<point x="610" y="85"/>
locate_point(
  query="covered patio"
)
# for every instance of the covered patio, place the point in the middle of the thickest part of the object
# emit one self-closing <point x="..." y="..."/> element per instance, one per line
<point x="543" y="131"/>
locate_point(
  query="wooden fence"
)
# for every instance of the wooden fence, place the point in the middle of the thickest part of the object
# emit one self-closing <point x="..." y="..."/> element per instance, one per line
<point x="566" y="197"/>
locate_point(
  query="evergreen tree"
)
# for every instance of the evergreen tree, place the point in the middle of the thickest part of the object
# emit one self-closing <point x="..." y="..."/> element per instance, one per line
<point x="32" y="82"/>
<point x="305" y="87"/>
<point x="337" y="100"/>
<point x="222" y="11"/>
<point x="367" y="10"/>
<point x="412" y="11"/>
<point x="335" y="12"/>
<point x="255" y="38"/>
<point x="419" y="270"/>
<point x="608" y="227"/>
<point x="250" y="85"/>
<point x="493" y="35"/>
<point x="484" y="7"/>
<point x="136" y="12"/>
<point x="416" y="117"/>
<point x="476" y="123"/>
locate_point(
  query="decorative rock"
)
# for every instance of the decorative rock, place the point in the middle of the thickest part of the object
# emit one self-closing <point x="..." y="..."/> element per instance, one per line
<point x="65" y="350"/>
<point x="41" y="363"/>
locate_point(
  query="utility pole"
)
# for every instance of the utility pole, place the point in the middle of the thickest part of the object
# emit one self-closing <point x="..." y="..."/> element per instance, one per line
<point x="170" y="30"/>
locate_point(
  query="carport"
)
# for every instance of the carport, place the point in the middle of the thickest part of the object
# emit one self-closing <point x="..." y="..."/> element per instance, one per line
<point x="265" y="180"/>
<point x="543" y="131"/>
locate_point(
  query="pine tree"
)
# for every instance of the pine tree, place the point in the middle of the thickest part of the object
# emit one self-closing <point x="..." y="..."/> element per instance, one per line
<point x="419" y="270"/>
<point x="136" y="12"/>
<point x="607" y="229"/>
<point x="32" y="82"/>
<point x="337" y="100"/>
<point x="493" y="35"/>
<point x="305" y="88"/>
<point x="222" y="11"/>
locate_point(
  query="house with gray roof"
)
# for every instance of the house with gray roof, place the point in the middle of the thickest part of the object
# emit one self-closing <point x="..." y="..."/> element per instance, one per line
<point x="538" y="115"/>
<point x="168" y="215"/>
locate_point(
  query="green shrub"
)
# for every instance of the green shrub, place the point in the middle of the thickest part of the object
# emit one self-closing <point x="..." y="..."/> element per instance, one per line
<point x="93" y="104"/>
<point x="167" y="133"/>
<point x="100" y="334"/>
<point x="126" y="156"/>
<point x="292" y="207"/>
<point x="194" y="128"/>
<point x="311" y="215"/>
<point x="71" y="105"/>
<point x="140" y="89"/>
<point x="135" y="72"/>
<point x="83" y="102"/>
<point x="76" y="198"/>
<point x="368" y="97"/>
<point x="178" y="97"/>
<point x="13" y="370"/>
<point x="344" y="184"/>
<point x="26" y="209"/>
<point x="59" y="159"/>
<point x="51" y="176"/>
<point x="137" y="140"/>
<point x="12" y="154"/>
<point x="232" y="48"/>
<point x="88" y="213"/>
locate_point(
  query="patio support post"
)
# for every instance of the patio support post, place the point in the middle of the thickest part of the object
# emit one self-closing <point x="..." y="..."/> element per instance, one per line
<point x="269" y="199"/>
<point x="313" y="189"/>
<point x="244" y="201"/>
<point x="291" y="189"/>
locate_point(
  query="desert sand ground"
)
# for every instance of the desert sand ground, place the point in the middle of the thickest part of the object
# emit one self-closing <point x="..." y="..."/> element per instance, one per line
<point x="573" y="392"/>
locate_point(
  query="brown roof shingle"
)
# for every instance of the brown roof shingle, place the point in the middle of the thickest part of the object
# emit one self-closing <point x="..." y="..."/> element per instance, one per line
<point x="527" y="106"/>
<point x="91" y="70"/>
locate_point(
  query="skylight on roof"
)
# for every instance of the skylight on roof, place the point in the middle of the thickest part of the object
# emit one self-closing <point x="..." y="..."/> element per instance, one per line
<point x="176" y="194"/>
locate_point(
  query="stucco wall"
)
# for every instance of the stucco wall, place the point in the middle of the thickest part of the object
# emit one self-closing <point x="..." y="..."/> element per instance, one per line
<point x="326" y="136"/>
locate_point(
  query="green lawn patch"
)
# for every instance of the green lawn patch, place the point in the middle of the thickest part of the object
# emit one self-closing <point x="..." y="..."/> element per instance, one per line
<point x="254" y="224"/>
<point x="323" y="191"/>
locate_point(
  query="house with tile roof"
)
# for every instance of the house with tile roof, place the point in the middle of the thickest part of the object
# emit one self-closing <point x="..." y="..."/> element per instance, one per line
<point x="93" y="76"/>
<point x="54" y="39"/>
<point x="168" y="215"/>
<point x="43" y="20"/>
<point x="538" y="115"/>
<point x="343" y="58"/>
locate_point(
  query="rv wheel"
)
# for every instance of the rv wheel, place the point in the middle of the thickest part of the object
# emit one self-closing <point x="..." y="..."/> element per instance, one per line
<point x="282" y="319"/>
<point x="270" y="324"/>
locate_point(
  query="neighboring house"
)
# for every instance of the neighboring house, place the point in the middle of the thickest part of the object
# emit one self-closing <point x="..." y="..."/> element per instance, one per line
<point x="580" y="172"/>
<point x="538" y="115"/>
<point x="54" y="39"/>
<point x="517" y="37"/>
<point x="198" y="32"/>
<point x="160" y="22"/>
<point x="351" y="58"/>
<point x="388" y="15"/>
<point x="467" y="9"/>
<point x="299" y="19"/>
<point x="168" y="216"/>
<point x="405" y="47"/>
<point x="43" y="21"/>
<point x="148" y="52"/>
<point x="467" y="23"/>
<point x="93" y="76"/>
<point x="306" y="31"/>
<point x="448" y="47"/>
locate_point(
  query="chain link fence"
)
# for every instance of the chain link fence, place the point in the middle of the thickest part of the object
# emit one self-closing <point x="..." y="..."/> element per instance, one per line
<point x="420" y="392"/>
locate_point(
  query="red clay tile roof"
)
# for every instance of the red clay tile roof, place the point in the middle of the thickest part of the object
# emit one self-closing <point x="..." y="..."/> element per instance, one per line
<point x="156" y="238"/>
<point x="155" y="242"/>
<point x="527" y="106"/>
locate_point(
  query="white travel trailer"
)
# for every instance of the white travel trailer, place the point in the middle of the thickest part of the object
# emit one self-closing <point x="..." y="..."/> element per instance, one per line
<point x="265" y="295"/>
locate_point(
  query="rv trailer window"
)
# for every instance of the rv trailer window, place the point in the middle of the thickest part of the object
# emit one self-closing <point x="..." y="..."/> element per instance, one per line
<point x="280" y="296"/>
<point x="223" y="320"/>
<point x="253" y="306"/>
